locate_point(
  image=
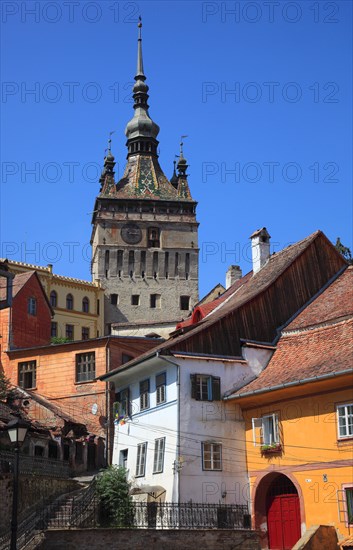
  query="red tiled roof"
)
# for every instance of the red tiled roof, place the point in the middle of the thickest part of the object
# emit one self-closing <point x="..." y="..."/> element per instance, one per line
<point x="335" y="302"/>
<point x="326" y="347"/>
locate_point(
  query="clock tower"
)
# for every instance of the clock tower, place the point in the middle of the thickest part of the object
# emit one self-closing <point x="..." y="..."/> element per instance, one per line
<point x="144" y="237"/>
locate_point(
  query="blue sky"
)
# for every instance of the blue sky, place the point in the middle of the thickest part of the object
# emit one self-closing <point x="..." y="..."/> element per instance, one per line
<point x="262" y="90"/>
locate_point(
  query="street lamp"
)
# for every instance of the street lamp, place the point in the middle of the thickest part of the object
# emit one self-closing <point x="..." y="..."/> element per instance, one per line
<point x="17" y="430"/>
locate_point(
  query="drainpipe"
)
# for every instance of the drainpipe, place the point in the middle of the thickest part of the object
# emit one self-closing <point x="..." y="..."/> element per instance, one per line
<point x="177" y="465"/>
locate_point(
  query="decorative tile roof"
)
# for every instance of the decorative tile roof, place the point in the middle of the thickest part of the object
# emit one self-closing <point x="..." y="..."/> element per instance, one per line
<point x="143" y="178"/>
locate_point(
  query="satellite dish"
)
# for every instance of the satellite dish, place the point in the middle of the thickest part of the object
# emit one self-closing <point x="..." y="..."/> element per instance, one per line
<point x="94" y="409"/>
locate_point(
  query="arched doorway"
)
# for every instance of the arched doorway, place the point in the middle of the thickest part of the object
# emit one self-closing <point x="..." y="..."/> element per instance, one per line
<point x="277" y="507"/>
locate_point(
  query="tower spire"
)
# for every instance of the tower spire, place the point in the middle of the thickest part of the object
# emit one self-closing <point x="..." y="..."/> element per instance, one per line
<point x="141" y="131"/>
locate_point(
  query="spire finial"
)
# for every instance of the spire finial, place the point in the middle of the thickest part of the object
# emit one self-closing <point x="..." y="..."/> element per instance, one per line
<point x="139" y="71"/>
<point x="182" y="164"/>
<point x="181" y="146"/>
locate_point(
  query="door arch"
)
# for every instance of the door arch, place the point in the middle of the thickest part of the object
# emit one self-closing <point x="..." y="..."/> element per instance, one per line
<point x="277" y="512"/>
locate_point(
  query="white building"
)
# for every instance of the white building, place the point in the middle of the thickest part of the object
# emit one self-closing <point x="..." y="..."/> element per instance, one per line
<point x="173" y="433"/>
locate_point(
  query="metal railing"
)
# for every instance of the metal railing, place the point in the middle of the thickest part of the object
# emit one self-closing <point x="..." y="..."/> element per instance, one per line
<point x="37" y="465"/>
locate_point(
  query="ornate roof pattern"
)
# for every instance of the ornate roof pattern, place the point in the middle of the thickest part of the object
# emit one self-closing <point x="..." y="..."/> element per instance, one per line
<point x="143" y="178"/>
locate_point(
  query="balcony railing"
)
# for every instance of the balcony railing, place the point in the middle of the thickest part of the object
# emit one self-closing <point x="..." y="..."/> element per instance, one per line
<point x="35" y="465"/>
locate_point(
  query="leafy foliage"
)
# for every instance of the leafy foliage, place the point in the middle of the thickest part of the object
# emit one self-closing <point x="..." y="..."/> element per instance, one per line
<point x="344" y="250"/>
<point x="59" y="340"/>
<point x="116" y="508"/>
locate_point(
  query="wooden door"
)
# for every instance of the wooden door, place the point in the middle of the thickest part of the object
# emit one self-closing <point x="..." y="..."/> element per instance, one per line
<point x="283" y="522"/>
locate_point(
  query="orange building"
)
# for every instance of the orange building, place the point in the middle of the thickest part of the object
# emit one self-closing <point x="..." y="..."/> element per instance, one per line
<point x="299" y="423"/>
<point x="65" y="374"/>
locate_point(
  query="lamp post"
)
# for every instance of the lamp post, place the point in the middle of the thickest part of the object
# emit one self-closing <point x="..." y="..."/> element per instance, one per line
<point x="17" y="430"/>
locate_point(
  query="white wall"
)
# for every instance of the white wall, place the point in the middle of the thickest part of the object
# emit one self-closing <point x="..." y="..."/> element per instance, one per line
<point x="146" y="426"/>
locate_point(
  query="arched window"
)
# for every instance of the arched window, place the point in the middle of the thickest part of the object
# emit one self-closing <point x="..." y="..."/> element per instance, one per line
<point x="85" y="305"/>
<point x="69" y="301"/>
<point x="53" y="298"/>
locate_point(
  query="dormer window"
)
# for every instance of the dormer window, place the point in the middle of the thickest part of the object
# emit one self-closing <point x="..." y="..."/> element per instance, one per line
<point x="153" y="237"/>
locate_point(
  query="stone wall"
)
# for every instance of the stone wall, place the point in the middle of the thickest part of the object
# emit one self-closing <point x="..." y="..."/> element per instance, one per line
<point x="32" y="489"/>
<point x="149" y="539"/>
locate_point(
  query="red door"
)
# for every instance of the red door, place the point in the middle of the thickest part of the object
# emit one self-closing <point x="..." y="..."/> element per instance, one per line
<point x="283" y="522"/>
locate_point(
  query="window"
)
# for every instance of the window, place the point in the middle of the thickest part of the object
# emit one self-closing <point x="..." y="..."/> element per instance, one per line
<point x="155" y="265"/>
<point x="211" y="456"/>
<point x="144" y="395"/>
<point x="135" y="300"/>
<point x="176" y="265"/>
<point x="187" y="265"/>
<point x="85" y="366"/>
<point x="53" y="329"/>
<point x="106" y="263"/>
<point x="143" y="264"/>
<point x="166" y="265"/>
<point x="160" y="388"/>
<point x="131" y="265"/>
<point x="185" y="303"/>
<point x="69" y="301"/>
<point x="155" y="301"/>
<point x="158" y="459"/>
<point x="345" y="420"/>
<point x="69" y="332"/>
<point x="123" y="458"/>
<point x="125" y="358"/>
<point x="141" y="459"/>
<point x="98" y="307"/>
<point x="32" y="306"/>
<point x="85" y="333"/>
<point x="85" y="305"/>
<point x="348" y="493"/>
<point x="205" y="388"/>
<point x="27" y="374"/>
<point x="122" y="405"/>
<point x="53" y="298"/>
<point x="114" y="299"/>
<point x="266" y="430"/>
<point x="153" y="237"/>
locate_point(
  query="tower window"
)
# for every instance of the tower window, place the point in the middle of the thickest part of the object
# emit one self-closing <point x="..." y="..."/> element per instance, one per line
<point x="106" y="263"/>
<point x="85" y="305"/>
<point x="69" y="301"/>
<point x="176" y="269"/>
<point x="187" y="265"/>
<point x="114" y="299"/>
<point x="143" y="264"/>
<point x="155" y="301"/>
<point x="153" y="237"/>
<point x="135" y="300"/>
<point x="155" y="265"/>
<point x="131" y="263"/>
<point x="120" y="258"/>
<point x="185" y="303"/>
<point x="166" y="264"/>
<point x="53" y="298"/>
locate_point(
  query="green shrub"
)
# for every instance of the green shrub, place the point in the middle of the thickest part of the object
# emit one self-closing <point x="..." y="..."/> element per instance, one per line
<point x="116" y="507"/>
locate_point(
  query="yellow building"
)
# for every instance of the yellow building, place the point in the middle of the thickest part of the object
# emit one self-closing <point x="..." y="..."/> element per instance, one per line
<point x="299" y="423"/>
<point x="78" y="305"/>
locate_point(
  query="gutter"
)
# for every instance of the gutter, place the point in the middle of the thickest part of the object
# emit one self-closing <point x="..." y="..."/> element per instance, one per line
<point x="290" y="384"/>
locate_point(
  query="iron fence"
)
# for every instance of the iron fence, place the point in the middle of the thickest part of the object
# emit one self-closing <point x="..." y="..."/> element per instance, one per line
<point x="35" y="465"/>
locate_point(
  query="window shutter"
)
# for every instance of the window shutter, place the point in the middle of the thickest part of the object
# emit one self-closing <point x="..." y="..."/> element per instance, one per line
<point x="216" y="389"/>
<point x="193" y="385"/>
<point x="256" y="431"/>
<point x="128" y="404"/>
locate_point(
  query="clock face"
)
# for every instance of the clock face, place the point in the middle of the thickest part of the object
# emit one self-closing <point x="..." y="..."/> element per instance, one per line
<point x="131" y="233"/>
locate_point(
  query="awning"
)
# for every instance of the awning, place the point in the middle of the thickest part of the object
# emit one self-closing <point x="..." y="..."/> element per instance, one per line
<point x="155" y="491"/>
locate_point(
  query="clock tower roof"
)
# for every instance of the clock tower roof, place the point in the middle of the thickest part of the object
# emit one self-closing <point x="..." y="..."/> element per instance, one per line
<point x="143" y="176"/>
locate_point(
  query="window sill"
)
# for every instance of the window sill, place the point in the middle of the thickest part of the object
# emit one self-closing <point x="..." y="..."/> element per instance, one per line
<point x="85" y="382"/>
<point x="268" y="451"/>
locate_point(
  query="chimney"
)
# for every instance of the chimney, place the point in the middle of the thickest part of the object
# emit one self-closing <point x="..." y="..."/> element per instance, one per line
<point x="260" y="248"/>
<point x="233" y="274"/>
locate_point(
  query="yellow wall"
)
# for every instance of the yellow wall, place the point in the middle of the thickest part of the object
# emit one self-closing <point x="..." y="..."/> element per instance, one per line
<point x="311" y="449"/>
<point x="79" y="289"/>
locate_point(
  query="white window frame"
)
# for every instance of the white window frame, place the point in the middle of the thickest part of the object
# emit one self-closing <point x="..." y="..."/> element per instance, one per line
<point x="158" y="457"/>
<point x="123" y="458"/>
<point x="345" y="416"/>
<point x="215" y="451"/>
<point x="161" y="396"/>
<point x="265" y="437"/>
<point x="141" y="459"/>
